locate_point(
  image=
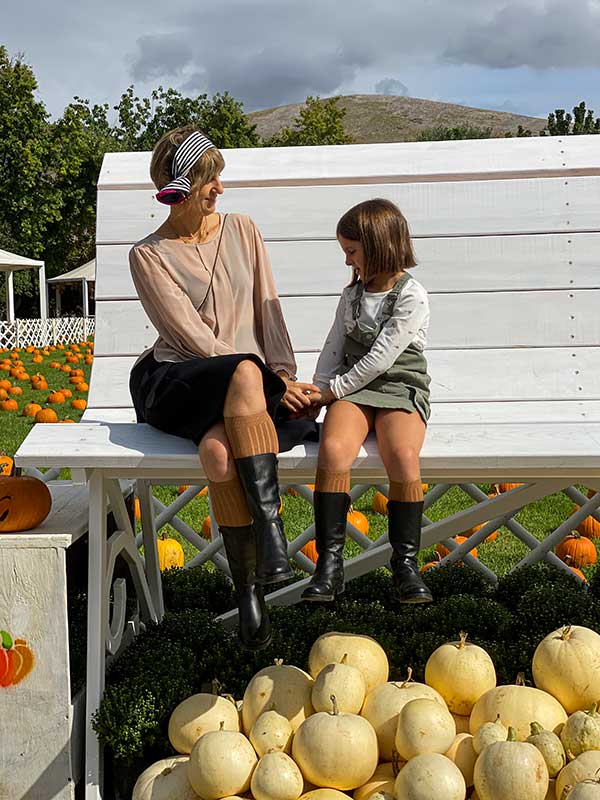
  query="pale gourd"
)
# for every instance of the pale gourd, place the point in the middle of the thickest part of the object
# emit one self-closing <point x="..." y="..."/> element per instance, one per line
<point x="384" y="703"/>
<point x="165" y="780"/>
<point x="382" y="780"/>
<point x="221" y="764"/>
<point x="424" y="726"/>
<point x="566" y="664"/>
<point x="431" y="776"/>
<point x="344" y="681"/>
<point x="488" y="733"/>
<point x="461" y="672"/>
<point x="462" y="723"/>
<point x="462" y="753"/>
<point x="271" y="731"/>
<point x="581" y="732"/>
<point x="282" y="688"/>
<point x="510" y="770"/>
<point x="362" y="652"/>
<point x="324" y="794"/>
<point x="550" y="746"/>
<point x="517" y="706"/>
<point x="583" y="768"/>
<point x="276" y="777"/>
<point x="198" y="714"/>
<point x="336" y="750"/>
<point x="586" y="790"/>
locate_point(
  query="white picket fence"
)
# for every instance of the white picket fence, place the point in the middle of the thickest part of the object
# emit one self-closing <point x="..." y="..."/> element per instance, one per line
<point x="43" y="332"/>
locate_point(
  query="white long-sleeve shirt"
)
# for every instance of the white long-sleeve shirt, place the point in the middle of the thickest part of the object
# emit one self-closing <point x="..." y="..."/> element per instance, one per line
<point x="408" y="324"/>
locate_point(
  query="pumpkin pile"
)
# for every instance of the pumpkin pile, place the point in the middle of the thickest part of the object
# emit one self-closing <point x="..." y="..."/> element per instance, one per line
<point x="343" y="729"/>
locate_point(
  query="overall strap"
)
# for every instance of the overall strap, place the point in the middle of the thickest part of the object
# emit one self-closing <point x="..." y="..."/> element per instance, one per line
<point x="387" y="307"/>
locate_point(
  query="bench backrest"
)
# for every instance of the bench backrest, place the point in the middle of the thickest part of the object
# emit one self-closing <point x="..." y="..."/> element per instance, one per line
<point x="506" y="231"/>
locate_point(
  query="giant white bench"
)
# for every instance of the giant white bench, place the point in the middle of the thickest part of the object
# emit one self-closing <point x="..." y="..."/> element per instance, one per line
<point x="507" y="233"/>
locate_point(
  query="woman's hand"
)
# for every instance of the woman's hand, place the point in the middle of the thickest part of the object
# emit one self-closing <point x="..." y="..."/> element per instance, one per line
<point x="298" y="396"/>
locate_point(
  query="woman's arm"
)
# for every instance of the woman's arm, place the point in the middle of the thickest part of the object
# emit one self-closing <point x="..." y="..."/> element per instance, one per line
<point x="170" y="309"/>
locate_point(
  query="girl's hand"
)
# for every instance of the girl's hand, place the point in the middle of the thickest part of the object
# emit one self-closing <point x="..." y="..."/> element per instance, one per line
<point x="297" y="396"/>
<point x="327" y="397"/>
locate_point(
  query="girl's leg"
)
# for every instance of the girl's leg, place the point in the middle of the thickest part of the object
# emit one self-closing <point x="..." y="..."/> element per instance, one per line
<point x="231" y="512"/>
<point x="400" y="437"/>
<point x="254" y="444"/>
<point x="345" y="429"/>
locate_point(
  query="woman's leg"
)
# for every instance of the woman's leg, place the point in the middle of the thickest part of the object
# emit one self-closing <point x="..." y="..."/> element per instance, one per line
<point x="345" y="429"/>
<point x="254" y="444"/>
<point x="400" y="437"/>
<point x="230" y="510"/>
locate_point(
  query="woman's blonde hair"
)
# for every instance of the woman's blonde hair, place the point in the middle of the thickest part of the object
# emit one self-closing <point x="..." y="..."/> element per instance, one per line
<point x="204" y="170"/>
<point x="382" y="229"/>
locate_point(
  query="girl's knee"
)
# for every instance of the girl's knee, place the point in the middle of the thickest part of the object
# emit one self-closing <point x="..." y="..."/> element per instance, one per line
<point x="334" y="455"/>
<point x="405" y="462"/>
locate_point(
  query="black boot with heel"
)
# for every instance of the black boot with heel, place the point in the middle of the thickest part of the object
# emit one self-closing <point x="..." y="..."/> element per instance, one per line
<point x="404" y="520"/>
<point x="331" y="509"/>
<point x="254" y="623"/>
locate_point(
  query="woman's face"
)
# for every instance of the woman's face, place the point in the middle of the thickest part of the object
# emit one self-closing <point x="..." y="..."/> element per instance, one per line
<point x="355" y="254"/>
<point x="205" y="197"/>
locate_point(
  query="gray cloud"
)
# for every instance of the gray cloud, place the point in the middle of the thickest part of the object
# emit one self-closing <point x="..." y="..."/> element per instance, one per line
<point x="391" y="86"/>
<point x="160" y="55"/>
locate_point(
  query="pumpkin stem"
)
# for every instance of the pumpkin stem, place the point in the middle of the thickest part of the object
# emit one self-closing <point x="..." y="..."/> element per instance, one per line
<point x="216" y="686"/>
<point x="408" y="678"/>
<point x="6" y="640"/>
<point x="278" y="661"/>
<point x="463" y="640"/>
<point x="231" y="698"/>
<point x="566" y="633"/>
<point x="520" y="679"/>
<point x="335" y="711"/>
<point x="512" y="735"/>
<point x="536" y="728"/>
<point x="593" y="710"/>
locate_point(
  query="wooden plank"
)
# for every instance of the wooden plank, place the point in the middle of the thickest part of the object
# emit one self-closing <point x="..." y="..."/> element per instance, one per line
<point x="466" y="320"/>
<point x="549" y="205"/>
<point x="458" y="376"/>
<point x="399" y="160"/>
<point x="478" y="263"/>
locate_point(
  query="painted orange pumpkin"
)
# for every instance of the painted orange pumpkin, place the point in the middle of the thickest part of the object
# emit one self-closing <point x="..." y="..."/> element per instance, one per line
<point x="577" y="550"/>
<point x="170" y="554"/>
<point x="25" y="502"/>
<point x="16" y="659"/>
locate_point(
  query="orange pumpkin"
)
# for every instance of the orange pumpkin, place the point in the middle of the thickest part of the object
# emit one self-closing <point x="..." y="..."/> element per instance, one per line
<point x="25" y="502"/>
<point x="82" y="387"/>
<point x="206" y="529"/>
<point x="6" y="464"/>
<point x="507" y="487"/>
<point x="55" y="364"/>
<point x="76" y="379"/>
<point x="76" y="372"/>
<point x="310" y="551"/>
<point x="431" y="564"/>
<point x="46" y="415"/>
<point x="138" y="511"/>
<point x="66" y="420"/>
<point x="9" y="405"/>
<point x="380" y="502"/>
<point x="80" y="404"/>
<point x="358" y="519"/>
<point x="577" y="550"/>
<point x="579" y="573"/>
<point x="4" y="384"/>
<point x="31" y="409"/>
<point x="170" y="553"/>
<point x="66" y="392"/>
<point x="3" y="394"/>
<point x="443" y="550"/>
<point x="65" y="368"/>
<point x="56" y="397"/>
<point x="15" y="390"/>
<point x="37" y="359"/>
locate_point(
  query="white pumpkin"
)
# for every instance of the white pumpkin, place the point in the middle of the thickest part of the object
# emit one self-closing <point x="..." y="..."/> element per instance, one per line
<point x="463" y="754"/>
<point x="221" y="764"/>
<point x="276" y="777"/>
<point x="165" y="780"/>
<point x="566" y="664"/>
<point x="550" y="746"/>
<point x="462" y="723"/>
<point x="344" y="681"/>
<point x="586" y="790"/>
<point x="581" y="732"/>
<point x="361" y="651"/>
<point x="324" y="794"/>
<point x="461" y="672"/>
<point x="271" y="731"/>
<point x="517" y="706"/>
<point x="198" y="714"/>
<point x="382" y="780"/>
<point x="583" y="768"/>
<point x="510" y="770"/>
<point x="430" y="776"/>
<point x="336" y="750"/>
<point x="282" y="688"/>
<point x="384" y="703"/>
<point x="488" y="733"/>
<point x="424" y="726"/>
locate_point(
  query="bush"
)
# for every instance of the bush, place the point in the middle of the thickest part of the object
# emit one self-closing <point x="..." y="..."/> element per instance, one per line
<point x="514" y="585"/>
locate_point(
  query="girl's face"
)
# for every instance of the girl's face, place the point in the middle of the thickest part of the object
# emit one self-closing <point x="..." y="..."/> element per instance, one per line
<point x="205" y="197"/>
<point x="355" y="254"/>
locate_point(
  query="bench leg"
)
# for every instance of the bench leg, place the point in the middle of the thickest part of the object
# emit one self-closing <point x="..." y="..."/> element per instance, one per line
<point x="143" y="491"/>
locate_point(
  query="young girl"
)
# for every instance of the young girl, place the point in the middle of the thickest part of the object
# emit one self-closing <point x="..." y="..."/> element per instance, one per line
<point x="373" y="375"/>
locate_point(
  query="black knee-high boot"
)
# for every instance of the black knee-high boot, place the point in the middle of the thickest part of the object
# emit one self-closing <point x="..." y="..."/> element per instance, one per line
<point x="331" y="509"/>
<point x="404" y="520"/>
<point x="258" y="476"/>
<point x="254" y="623"/>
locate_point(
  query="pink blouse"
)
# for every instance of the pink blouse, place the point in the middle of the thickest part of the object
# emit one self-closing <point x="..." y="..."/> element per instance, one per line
<point x="242" y="313"/>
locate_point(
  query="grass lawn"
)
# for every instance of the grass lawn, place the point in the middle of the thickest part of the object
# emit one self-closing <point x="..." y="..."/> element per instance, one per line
<point x="539" y="518"/>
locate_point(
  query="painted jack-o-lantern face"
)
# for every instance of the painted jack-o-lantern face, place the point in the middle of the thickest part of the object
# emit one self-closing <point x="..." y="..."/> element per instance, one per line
<point x="25" y="502"/>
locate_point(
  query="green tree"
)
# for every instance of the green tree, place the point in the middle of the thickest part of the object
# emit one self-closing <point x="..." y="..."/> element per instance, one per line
<point x="319" y="122"/>
<point x="564" y="124"/>
<point x="442" y="133"/>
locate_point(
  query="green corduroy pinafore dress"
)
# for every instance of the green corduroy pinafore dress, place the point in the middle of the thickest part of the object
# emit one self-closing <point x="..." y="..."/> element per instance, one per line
<point x="405" y="385"/>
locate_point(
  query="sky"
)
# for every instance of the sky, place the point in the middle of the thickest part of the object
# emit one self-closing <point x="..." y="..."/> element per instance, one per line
<point x="527" y="57"/>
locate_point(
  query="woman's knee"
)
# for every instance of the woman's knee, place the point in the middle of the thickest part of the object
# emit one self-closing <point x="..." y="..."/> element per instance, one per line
<point x="247" y="377"/>
<point x="216" y="459"/>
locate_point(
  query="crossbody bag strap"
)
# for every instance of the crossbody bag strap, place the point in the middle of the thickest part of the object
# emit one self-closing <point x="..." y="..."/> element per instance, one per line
<point x="214" y="266"/>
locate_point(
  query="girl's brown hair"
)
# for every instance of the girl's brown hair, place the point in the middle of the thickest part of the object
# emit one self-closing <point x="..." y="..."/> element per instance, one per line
<point x="204" y="170"/>
<point x="382" y="229"/>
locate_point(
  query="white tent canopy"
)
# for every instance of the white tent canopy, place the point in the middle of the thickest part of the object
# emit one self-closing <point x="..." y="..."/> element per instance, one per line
<point x="10" y="263"/>
<point x="84" y="274"/>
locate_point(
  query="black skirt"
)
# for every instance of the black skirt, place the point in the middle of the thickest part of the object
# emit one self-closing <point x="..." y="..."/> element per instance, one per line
<point x="186" y="398"/>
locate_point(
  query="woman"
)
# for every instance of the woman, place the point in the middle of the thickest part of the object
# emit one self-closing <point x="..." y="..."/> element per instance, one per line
<point x="222" y="371"/>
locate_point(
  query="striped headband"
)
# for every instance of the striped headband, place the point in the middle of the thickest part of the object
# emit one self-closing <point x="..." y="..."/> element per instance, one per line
<point x="186" y="155"/>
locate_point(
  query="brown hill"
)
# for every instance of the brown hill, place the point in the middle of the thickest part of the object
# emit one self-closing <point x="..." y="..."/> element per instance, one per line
<point x="379" y="118"/>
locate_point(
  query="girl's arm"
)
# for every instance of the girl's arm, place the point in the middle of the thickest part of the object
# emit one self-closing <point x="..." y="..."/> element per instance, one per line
<point x="332" y="354"/>
<point x="170" y="309"/>
<point x="410" y="312"/>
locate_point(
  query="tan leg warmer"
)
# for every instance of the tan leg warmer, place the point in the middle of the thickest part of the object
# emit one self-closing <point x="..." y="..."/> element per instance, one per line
<point x="409" y="492"/>
<point x="251" y="435"/>
<point x="332" y="481"/>
<point x="228" y="502"/>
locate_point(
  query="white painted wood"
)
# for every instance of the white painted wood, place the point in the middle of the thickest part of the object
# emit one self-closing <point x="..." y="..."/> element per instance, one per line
<point x="477" y="263"/>
<point x="550" y="205"/>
